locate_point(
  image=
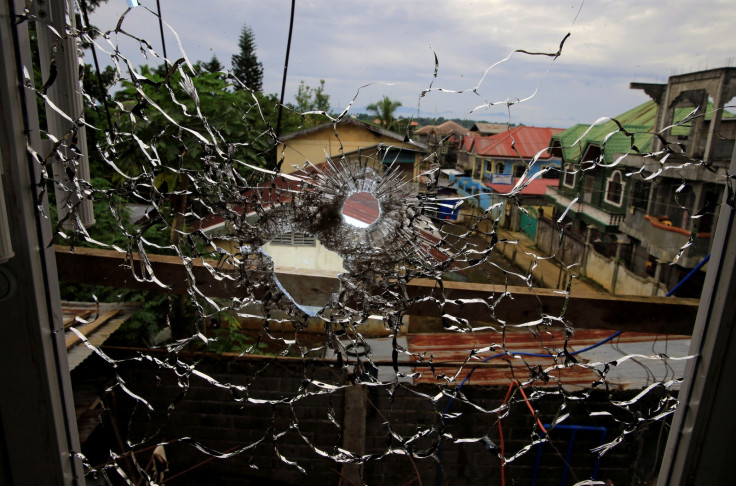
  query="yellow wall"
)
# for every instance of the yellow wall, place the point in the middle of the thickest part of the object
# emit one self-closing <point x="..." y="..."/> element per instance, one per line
<point x="312" y="146"/>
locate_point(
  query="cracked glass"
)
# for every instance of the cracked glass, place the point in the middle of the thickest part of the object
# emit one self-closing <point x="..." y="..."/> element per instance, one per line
<point x="371" y="313"/>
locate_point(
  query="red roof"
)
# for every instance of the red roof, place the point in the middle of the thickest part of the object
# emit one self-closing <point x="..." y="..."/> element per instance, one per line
<point x="274" y="192"/>
<point x="524" y="141"/>
<point x="537" y="187"/>
<point x="468" y="140"/>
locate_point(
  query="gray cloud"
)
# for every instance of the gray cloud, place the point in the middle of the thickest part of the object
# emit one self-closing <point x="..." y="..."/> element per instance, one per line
<point x="350" y="43"/>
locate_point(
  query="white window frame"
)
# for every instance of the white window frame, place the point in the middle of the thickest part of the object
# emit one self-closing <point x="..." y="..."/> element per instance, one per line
<point x="574" y="177"/>
<point x="608" y="185"/>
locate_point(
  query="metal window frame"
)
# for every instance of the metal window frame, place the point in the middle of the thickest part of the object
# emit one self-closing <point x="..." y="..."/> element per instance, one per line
<point x="37" y="418"/>
<point x="703" y="428"/>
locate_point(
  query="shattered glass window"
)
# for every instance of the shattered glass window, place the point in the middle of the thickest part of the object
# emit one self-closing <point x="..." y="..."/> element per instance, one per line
<point x="290" y="303"/>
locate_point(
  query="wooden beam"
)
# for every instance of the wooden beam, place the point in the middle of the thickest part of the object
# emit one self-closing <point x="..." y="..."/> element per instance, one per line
<point x="72" y="340"/>
<point x="511" y="305"/>
<point x="583" y="310"/>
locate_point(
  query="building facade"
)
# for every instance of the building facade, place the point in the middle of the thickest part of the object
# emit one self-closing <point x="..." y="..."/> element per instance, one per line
<point x="685" y="138"/>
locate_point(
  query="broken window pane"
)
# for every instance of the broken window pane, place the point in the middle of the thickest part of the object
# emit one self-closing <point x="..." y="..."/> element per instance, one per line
<point x="366" y="301"/>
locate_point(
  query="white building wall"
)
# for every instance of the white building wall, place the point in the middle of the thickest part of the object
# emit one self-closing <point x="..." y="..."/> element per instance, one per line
<point x="315" y="257"/>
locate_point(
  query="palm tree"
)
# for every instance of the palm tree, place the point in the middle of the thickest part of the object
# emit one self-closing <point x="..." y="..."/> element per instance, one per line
<point x="384" y="111"/>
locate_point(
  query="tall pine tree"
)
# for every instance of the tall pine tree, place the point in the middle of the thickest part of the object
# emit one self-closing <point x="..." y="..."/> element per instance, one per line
<point x="213" y="65"/>
<point x="245" y="64"/>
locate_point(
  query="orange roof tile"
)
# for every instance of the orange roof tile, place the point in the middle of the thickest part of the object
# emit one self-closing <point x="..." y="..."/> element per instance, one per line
<point x="527" y="141"/>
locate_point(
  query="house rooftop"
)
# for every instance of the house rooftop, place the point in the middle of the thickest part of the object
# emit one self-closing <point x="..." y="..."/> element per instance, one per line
<point x="537" y="187"/>
<point x="351" y="122"/>
<point x="638" y="120"/>
<point x="453" y="347"/>
<point x="447" y="128"/>
<point x="489" y="128"/>
<point x="526" y="142"/>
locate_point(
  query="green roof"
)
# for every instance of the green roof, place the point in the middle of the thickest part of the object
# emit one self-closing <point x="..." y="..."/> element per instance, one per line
<point x="638" y="121"/>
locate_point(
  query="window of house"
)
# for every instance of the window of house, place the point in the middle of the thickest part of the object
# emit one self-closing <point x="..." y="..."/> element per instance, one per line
<point x="615" y="189"/>
<point x="640" y="191"/>
<point x="293" y="239"/>
<point x="553" y="173"/>
<point x="519" y="170"/>
<point x="589" y="182"/>
<point x="570" y="176"/>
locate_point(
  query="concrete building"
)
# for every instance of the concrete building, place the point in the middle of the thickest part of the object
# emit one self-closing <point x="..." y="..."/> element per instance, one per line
<point x="681" y="209"/>
<point x="443" y="141"/>
<point x="608" y="170"/>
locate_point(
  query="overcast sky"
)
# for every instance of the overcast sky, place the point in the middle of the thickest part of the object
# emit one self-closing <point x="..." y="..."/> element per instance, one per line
<point x="389" y="44"/>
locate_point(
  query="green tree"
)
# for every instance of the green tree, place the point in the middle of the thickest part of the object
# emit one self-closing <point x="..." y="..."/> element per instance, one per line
<point x="384" y="111"/>
<point x="312" y="99"/>
<point x="213" y="65"/>
<point x="188" y="124"/>
<point x="230" y="117"/>
<point x="246" y="66"/>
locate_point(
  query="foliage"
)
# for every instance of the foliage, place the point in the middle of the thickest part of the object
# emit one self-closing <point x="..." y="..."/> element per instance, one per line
<point x="205" y="104"/>
<point x="229" y="338"/>
<point x="100" y="113"/>
<point x="246" y="66"/>
<point x="384" y="111"/>
<point x="146" y="322"/>
<point x="312" y="99"/>
<point x="423" y="121"/>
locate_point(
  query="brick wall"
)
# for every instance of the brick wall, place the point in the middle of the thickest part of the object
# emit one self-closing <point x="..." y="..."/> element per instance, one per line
<point x="224" y="420"/>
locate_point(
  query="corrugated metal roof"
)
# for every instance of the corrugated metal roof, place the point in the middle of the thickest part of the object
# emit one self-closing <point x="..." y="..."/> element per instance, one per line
<point x="537" y="187"/>
<point x="638" y="120"/>
<point x="361" y="206"/>
<point x="95" y="321"/>
<point x="450" y="350"/>
<point x="490" y="128"/>
<point x="468" y="143"/>
<point x="524" y="141"/>
<point x="444" y="129"/>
